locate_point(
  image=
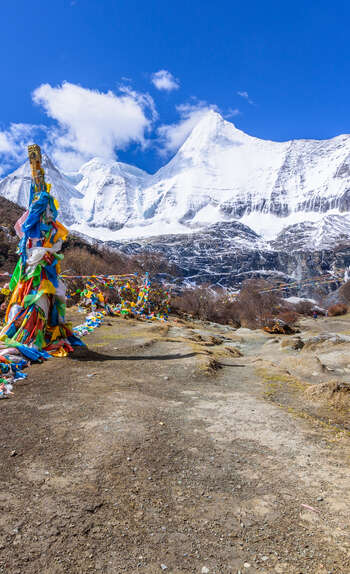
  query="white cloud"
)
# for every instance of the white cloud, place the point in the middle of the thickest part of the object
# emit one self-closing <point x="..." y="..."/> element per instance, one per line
<point x="232" y="113"/>
<point x="245" y="96"/>
<point x="92" y="123"/>
<point x="14" y="142"/>
<point x="164" y="80"/>
<point x="5" y="146"/>
<point x="172" y="136"/>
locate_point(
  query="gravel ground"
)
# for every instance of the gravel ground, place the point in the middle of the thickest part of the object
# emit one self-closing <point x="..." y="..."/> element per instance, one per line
<point x="158" y="450"/>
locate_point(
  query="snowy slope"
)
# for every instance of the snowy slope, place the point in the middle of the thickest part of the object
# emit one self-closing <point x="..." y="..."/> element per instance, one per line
<point x="112" y="193"/>
<point x="16" y="188"/>
<point x="328" y="232"/>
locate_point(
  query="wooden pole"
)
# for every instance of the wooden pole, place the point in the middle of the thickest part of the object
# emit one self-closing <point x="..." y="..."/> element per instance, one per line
<point x="38" y="175"/>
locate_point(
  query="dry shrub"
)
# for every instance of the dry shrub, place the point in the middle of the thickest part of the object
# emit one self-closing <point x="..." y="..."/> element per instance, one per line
<point x="258" y="305"/>
<point x="155" y="263"/>
<point x="8" y="246"/>
<point x="206" y="304"/>
<point x="337" y="309"/>
<point x="344" y="292"/>
<point x="194" y="302"/>
<point x="253" y="308"/>
<point x="290" y="317"/>
<point x="9" y="213"/>
<point x="335" y="392"/>
<point x="81" y="261"/>
<point x="304" y="308"/>
<point x="111" y="296"/>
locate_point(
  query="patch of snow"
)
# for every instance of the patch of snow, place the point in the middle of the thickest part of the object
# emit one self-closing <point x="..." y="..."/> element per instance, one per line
<point x="269" y="225"/>
<point x="132" y="233"/>
<point x="296" y="300"/>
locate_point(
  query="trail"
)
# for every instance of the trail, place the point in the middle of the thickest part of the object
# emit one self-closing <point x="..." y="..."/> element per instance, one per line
<point x="141" y="455"/>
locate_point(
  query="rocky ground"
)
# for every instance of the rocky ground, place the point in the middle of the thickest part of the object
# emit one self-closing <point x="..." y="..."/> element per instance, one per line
<point x="183" y="448"/>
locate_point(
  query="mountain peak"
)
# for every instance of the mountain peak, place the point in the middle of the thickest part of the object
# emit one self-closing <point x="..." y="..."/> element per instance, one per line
<point x="111" y="166"/>
<point x="210" y="130"/>
<point x="210" y="123"/>
<point x="211" y="118"/>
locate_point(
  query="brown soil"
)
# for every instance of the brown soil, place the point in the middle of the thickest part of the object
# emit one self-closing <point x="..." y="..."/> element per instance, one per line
<point x="140" y="455"/>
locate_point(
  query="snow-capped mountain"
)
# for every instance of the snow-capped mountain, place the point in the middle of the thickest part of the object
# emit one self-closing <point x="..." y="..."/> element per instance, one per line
<point x="224" y="191"/>
<point x="219" y="174"/>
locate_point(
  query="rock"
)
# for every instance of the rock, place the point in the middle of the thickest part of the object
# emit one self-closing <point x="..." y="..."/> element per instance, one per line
<point x="329" y="338"/>
<point x="294" y="343"/>
<point x="234" y="351"/>
<point x="13" y="453"/>
<point x="91" y="508"/>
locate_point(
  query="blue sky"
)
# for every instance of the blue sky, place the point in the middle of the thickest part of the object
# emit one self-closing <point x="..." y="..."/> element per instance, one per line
<point x="278" y="70"/>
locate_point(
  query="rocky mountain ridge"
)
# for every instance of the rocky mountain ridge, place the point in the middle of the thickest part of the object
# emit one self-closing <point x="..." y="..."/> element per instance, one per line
<point x="225" y="254"/>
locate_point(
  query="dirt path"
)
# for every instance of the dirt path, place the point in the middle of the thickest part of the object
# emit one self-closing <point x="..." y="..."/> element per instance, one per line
<point x="140" y="456"/>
